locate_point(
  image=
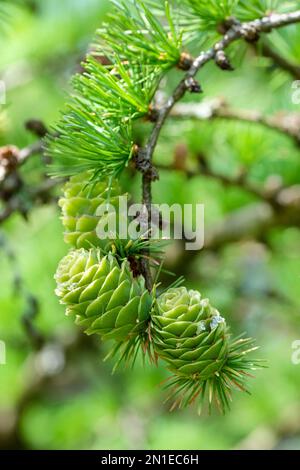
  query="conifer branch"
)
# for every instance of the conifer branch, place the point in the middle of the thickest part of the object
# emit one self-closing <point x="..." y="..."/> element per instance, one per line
<point x="249" y="31"/>
<point x="12" y="186"/>
<point x="236" y="32"/>
<point x="40" y="195"/>
<point x="286" y="123"/>
<point x="11" y="158"/>
<point x="273" y="193"/>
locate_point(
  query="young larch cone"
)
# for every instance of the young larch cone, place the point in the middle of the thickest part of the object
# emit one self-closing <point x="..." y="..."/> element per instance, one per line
<point x="103" y="295"/>
<point x="192" y="337"/>
<point x="85" y="205"/>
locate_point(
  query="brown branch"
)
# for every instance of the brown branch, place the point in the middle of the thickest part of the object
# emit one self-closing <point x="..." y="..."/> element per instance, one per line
<point x="11" y="157"/>
<point x="237" y="31"/>
<point x="12" y="187"/>
<point x="283" y="122"/>
<point x="36" y="338"/>
<point x="268" y="194"/>
<point x="248" y="31"/>
<point x="40" y="195"/>
<point x="33" y="149"/>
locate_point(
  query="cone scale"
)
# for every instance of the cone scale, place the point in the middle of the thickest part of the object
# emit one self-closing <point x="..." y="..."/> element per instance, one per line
<point x="80" y="211"/>
<point x="103" y="295"/>
<point x="193" y="339"/>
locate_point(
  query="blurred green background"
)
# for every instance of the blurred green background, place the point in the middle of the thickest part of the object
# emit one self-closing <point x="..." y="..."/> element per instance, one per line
<point x="62" y="396"/>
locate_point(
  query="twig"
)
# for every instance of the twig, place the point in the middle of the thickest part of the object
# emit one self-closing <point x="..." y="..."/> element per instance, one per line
<point x="269" y="195"/>
<point x="285" y="123"/>
<point x="11" y="158"/>
<point x="31" y="150"/>
<point x="248" y="31"/>
<point x="31" y="311"/>
<point x="40" y="195"/>
<point x="12" y="187"/>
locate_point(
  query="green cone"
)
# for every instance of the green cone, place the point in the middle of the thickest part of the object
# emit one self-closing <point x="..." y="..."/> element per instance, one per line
<point x="80" y="204"/>
<point x="190" y="334"/>
<point x="192" y="337"/>
<point x="104" y="296"/>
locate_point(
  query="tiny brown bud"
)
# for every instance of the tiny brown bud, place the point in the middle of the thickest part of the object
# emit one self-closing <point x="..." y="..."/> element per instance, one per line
<point x="222" y="61"/>
<point x="135" y="149"/>
<point x="185" y="61"/>
<point x="152" y="114"/>
<point x="37" y="127"/>
<point x="225" y="25"/>
<point x="193" y="85"/>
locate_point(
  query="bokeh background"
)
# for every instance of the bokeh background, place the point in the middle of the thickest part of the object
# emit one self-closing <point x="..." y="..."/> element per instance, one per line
<point x="55" y="390"/>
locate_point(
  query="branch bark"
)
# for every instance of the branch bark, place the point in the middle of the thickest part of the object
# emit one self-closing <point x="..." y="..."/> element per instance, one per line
<point x="249" y="31"/>
<point x="282" y="122"/>
<point x="12" y="188"/>
<point x="39" y="195"/>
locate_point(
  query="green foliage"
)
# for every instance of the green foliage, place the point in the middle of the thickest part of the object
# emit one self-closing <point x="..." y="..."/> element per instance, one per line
<point x="259" y="8"/>
<point x="213" y="12"/>
<point x="119" y="92"/>
<point x="217" y="388"/>
<point x="95" y="130"/>
<point x="286" y="42"/>
<point x="256" y="285"/>
<point x="137" y="35"/>
<point x="86" y="141"/>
